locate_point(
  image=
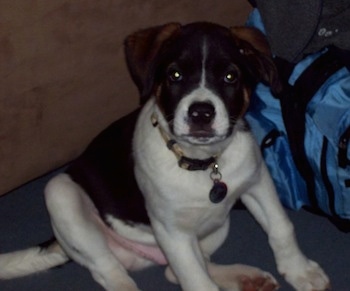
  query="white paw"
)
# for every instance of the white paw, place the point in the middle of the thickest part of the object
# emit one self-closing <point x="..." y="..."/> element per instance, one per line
<point x="307" y="277"/>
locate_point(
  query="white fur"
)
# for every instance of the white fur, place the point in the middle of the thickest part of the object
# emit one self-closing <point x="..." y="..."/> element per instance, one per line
<point x="220" y="123"/>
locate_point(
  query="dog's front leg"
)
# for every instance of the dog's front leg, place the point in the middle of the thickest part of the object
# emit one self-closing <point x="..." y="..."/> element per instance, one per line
<point x="300" y="272"/>
<point x="185" y="257"/>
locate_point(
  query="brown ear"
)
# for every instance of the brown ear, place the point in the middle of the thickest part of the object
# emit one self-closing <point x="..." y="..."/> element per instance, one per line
<point x="253" y="36"/>
<point x="141" y="49"/>
<point x="254" y="47"/>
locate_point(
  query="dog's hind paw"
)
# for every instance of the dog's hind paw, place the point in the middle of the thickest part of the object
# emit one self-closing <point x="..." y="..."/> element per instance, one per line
<point x="242" y="277"/>
<point x="236" y="278"/>
<point x="260" y="283"/>
<point x="310" y="277"/>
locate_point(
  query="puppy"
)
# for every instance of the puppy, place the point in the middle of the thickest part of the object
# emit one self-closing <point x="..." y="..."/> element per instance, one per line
<point x="157" y="186"/>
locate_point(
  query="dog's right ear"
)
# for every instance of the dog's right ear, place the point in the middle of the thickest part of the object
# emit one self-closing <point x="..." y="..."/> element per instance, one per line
<point x="256" y="50"/>
<point x="141" y="49"/>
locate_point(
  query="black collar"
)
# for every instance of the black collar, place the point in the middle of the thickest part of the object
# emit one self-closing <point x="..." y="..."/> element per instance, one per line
<point x="195" y="164"/>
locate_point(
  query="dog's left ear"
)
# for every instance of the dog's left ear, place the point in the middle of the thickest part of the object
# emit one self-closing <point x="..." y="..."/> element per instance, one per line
<point x="254" y="47"/>
<point x="141" y="49"/>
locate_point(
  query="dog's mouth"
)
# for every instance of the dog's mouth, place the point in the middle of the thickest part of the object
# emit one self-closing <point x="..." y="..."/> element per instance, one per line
<point x="202" y="134"/>
<point x="202" y="137"/>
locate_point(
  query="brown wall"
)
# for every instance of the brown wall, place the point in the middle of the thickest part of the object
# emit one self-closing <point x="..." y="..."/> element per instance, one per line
<point x="63" y="77"/>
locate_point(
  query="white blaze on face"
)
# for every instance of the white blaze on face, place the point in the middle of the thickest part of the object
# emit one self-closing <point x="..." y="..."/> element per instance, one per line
<point x="220" y="124"/>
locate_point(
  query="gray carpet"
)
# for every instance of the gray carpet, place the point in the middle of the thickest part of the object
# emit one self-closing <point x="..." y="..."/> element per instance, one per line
<point x="24" y="222"/>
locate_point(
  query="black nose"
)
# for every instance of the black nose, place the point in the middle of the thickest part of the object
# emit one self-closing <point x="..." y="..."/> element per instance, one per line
<point x="201" y="113"/>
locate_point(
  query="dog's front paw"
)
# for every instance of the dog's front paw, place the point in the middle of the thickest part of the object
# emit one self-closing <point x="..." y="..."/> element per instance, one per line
<point x="309" y="277"/>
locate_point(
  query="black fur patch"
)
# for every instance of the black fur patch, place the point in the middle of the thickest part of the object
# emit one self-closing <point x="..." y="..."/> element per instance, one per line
<point x="106" y="172"/>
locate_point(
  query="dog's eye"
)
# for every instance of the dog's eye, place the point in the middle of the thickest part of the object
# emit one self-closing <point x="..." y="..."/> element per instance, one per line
<point x="230" y="77"/>
<point x="175" y="76"/>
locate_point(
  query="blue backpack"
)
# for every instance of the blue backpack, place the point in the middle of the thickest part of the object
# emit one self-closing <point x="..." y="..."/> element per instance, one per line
<point x="304" y="133"/>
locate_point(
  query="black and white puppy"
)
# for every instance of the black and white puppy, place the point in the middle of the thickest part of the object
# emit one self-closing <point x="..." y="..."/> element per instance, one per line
<point x="157" y="186"/>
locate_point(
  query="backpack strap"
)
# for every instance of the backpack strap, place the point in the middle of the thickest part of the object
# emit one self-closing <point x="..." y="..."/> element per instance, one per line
<point x="343" y="151"/>
<point x="294" y="100"/>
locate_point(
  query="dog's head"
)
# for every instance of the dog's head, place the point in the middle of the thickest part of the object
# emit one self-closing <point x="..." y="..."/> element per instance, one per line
<point x="201" y="75"/>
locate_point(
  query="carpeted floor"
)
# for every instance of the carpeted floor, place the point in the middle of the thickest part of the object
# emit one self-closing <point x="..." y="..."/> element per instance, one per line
<point x="24" y="222"/>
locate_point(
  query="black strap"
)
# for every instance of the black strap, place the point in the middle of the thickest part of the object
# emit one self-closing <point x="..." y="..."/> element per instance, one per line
<point x="294" y="100"/>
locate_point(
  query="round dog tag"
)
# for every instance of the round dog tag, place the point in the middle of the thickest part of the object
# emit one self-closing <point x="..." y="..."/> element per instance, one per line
<point x="218" y="192"/>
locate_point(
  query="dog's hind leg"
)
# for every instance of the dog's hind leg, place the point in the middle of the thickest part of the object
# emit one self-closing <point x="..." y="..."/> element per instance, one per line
<point x="81" y="234"/>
